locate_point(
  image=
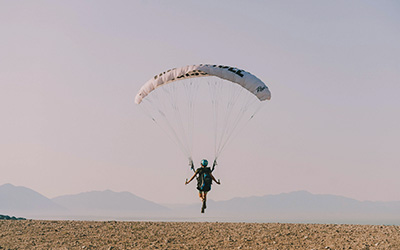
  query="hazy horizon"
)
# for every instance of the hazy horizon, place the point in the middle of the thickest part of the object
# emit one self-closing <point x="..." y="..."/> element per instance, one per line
<point x="69" y="72"/>
<point x="293" y="207"/>
<point x="188" y="202"/>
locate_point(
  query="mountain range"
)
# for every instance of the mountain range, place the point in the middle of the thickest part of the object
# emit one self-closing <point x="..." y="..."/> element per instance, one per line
<point x="296" y="207"/>
<point x="107" y="201"/>
<point x="23" y="199"/>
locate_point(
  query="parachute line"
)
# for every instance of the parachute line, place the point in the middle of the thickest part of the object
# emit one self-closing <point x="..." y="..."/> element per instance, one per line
<point x="236" y="108"/>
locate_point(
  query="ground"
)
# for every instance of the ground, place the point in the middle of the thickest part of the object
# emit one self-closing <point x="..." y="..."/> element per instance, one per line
<point x="36" y="234"/>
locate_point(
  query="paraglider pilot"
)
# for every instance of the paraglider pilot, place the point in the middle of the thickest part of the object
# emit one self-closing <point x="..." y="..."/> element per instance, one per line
<point x="204" y="180"/>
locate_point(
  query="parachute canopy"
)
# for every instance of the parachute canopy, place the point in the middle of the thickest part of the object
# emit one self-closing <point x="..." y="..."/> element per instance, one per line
<point x="241" y="77"/>
<point x="234" y="96"/>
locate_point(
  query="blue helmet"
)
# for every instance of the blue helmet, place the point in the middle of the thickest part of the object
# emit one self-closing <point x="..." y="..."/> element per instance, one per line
<point x="204" y="162"/>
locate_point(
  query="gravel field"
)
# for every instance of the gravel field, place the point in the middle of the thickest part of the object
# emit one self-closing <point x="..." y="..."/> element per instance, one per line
<point x="36" y="234"/>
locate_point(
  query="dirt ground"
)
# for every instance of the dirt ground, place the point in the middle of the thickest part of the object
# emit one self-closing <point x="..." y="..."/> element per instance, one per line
<point x="36" y="234"/>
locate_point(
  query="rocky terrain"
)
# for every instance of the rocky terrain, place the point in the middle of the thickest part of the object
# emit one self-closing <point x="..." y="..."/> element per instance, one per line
<point x="36" y="234"/>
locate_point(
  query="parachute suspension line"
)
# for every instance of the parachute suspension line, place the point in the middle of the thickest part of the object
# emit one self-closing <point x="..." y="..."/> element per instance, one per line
<point x="215" y="93"/>
<point x="191" y="91"/>
<point x="256" y="111"/>
<point x="230" y="112"/>
<point x="213" y="87"/>
<point x="234" y="130"/>
<point x="157" y="103"/>
<point x="169" y="92"/>
<point x="178" y="118"/>
<point x="179" y="108"/>
<point x="147" y="112"/>
<point x="235" y="92"/>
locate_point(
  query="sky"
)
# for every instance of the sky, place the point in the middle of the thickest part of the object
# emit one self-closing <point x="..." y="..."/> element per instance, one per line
<point x="69" y="72"/>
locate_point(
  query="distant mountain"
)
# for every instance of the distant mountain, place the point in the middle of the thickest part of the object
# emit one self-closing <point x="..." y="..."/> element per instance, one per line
<point x="302" y="206"/>
<point x="303" y="201"/>
<point x="294" y="207"/>
<point x="15" y="199"/>
<point x="107" y="202"/>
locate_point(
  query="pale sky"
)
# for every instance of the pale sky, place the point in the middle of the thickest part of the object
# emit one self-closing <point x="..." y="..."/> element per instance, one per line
<point x="69" y="71"/>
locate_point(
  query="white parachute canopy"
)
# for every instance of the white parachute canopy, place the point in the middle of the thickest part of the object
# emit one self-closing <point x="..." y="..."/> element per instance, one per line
<point x="241" y="77"/>
<point x="234" y="97"/>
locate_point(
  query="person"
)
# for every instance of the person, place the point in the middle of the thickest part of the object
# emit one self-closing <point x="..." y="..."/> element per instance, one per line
<point x="204" y="181"/>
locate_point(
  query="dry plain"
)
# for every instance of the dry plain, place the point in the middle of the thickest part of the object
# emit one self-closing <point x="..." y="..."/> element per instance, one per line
<point x="37" y="234"/>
